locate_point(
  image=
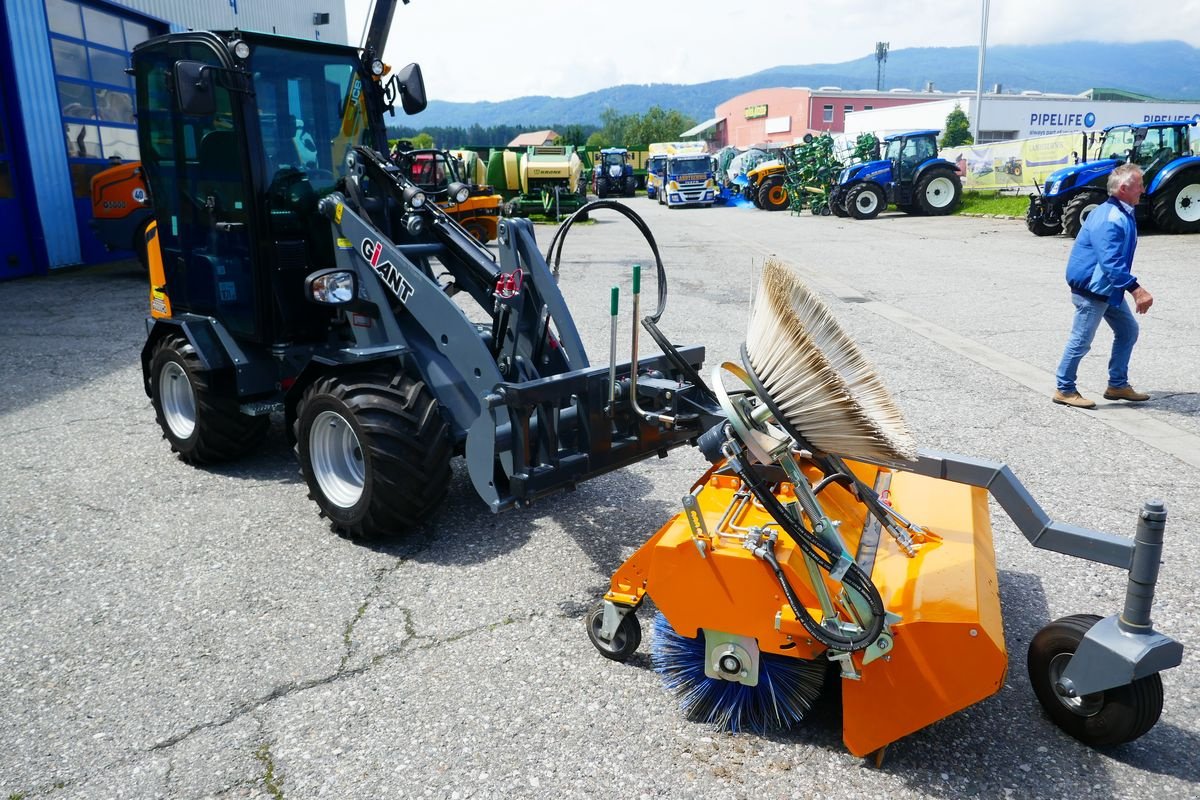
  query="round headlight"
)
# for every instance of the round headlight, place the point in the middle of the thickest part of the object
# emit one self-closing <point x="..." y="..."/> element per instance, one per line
<point x="414" y="198"/>
<point x="459" y="192"/>
<point x="241" y="49"/>
<point x="377" y="67"/>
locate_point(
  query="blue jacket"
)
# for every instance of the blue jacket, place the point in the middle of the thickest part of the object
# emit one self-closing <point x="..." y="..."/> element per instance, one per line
<point x="1101" y="259"/>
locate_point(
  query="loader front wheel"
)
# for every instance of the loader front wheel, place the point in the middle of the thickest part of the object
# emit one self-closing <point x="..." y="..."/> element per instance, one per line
<point x="374" y="451"/>
<point x="624" y="642"/>
<point x="1113" y="716"/>
<point x="202" y="426"/>
<point x="773" y="195"/>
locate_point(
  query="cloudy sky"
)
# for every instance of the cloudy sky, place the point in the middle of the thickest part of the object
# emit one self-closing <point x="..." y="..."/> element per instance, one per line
<point x="472" y="50"/>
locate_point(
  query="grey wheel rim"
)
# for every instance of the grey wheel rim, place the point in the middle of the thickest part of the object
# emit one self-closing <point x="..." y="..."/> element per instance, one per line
<point x="337" y="459"/>
<point x="867" y="202"/>
<point x="1187" y="203"/>
<point x="178" y="400"/>
<point x="1088" y="209"/>
<point x="1087" y="705"/>
<point x="940" y="192"/>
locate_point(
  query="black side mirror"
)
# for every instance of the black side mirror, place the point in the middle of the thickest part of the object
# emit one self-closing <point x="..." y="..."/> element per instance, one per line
<point x="194" y="88"/>
<point x="411" y="89"/>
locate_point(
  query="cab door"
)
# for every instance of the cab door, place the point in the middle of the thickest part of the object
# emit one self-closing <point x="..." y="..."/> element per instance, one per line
<point x="198" y="171"/>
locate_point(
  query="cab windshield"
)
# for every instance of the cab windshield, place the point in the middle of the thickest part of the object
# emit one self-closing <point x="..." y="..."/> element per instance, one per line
<point x="1117" y="144"/>
<point x="311" y="111"/>
<point x="614" y="159"/>
<point x="688" y="165"/>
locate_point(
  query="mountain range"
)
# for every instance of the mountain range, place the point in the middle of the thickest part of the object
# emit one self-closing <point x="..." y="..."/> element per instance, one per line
<point x="1169" y="70"/>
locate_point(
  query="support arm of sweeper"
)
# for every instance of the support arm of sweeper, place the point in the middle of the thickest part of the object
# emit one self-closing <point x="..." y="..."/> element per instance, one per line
<point x="1118" y="649"/>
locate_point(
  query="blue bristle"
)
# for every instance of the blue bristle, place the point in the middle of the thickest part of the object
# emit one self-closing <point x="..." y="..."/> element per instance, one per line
<point x="786" y="686"/>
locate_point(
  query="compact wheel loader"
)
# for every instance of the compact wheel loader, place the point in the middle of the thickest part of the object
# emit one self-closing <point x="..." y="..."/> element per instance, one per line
<point x="296" y="269"/>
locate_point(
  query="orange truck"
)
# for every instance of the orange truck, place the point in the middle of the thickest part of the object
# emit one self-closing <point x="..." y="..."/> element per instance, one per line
<point x="121" y="208"/>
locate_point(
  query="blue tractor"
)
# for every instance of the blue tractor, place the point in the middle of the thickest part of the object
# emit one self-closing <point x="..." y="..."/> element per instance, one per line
<point x="1171" y="173"/>
<point x="910" y="175"/>
<point x="613" y="174"/>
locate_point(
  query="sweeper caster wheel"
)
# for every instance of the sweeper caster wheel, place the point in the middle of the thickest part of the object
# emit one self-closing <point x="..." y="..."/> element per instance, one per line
<point x="626" y="640"/>
<point x="1114" y="716"/>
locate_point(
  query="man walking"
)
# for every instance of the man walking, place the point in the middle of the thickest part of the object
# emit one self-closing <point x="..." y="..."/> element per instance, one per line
<point x="1098" y="273"/>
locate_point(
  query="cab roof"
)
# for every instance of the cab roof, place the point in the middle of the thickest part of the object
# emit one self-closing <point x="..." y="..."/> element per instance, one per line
<point x="933" y="131"/>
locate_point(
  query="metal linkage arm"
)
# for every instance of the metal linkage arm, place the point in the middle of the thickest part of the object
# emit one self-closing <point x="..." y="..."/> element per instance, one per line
<point x="1034" y="523"/>
<point x="1119" y="649"/>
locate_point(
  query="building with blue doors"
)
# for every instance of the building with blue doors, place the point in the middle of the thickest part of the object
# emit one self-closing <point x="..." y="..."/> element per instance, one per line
<point x="67" y="109"/>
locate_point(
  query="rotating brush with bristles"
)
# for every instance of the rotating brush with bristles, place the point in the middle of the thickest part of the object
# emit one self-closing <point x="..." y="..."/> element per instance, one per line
<point x="786" y="690"/>
<point x="817" y="381"/>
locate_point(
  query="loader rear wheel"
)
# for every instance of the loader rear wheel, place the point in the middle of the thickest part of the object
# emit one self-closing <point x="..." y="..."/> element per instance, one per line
<point x="1077" y="210"/>
<point x="1177" y="208"/>
<point x="773" y="195"/>
<point x="938" y="193"/>
<point x="203" y="427"/>
<point x="1114" y="716"/>
<point x="624" y="642"/>
<point x="374" y="451"/>
<point x="865" y="201"/>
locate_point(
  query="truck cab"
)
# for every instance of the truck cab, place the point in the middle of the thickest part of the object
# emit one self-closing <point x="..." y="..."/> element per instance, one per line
<point x="688" y="179"/>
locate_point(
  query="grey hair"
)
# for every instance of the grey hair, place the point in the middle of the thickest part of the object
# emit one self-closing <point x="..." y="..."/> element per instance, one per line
<point x="1121" y="176"/>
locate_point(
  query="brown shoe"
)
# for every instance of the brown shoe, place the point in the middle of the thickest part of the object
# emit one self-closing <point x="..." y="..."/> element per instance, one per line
<point x="1073" y="399"/>
<point x="1125" y="393"/>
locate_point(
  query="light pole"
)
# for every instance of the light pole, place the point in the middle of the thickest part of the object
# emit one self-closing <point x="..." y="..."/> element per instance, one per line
<point x="979" y="78"/>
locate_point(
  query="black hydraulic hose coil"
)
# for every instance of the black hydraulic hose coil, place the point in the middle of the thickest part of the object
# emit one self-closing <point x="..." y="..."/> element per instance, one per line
<point x="855" y="577"/>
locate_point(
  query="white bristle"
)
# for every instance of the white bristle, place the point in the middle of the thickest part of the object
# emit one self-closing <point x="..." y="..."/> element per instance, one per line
<point x="816" y="375"/>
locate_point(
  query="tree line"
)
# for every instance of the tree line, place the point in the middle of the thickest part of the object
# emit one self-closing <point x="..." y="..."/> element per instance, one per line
<point x="616" y="129"/>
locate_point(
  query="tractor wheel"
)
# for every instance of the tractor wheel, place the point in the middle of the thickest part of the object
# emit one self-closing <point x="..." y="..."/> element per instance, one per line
<point x="838" y="205"/>
<point x="1077" y="210"/>
<point x="773" y="195"/>
<point x="374" y="451"/>
<point x="865" y="201"/>
<point x="201" y="426"/>
<point x="938" y="193"/>
<point x="624" y="642"/>
<point x="1177" y="208"/>
<point x="1037" y="225"/>
<point x="1113" y="716"/>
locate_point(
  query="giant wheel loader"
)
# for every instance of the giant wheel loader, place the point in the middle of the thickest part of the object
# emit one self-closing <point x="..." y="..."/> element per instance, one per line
<point x="297" y="269"/>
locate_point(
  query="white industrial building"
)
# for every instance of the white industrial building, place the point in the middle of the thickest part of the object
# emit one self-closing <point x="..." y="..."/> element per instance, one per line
<point x="1020" y="116"/>
<point x="67" y="112"/>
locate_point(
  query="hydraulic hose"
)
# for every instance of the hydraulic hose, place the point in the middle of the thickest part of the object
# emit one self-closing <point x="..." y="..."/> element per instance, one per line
<point x="855" y="578"/>
<point x="650" y="323"/>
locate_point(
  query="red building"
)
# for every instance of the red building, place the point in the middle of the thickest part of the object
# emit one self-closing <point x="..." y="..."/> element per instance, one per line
<point x="784" y="115"/>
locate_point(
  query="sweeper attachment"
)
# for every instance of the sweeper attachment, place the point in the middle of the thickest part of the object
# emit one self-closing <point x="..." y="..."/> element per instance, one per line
<point x="822" y="540"/>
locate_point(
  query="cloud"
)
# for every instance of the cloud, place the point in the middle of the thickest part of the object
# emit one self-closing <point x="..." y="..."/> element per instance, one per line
<point x="472" y="50"/>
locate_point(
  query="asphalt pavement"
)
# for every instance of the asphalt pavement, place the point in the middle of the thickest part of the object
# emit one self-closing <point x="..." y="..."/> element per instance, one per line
<point x="178" y="632"/>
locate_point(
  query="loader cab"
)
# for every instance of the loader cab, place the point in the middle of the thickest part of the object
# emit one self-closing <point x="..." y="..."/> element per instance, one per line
<point x="241" y="136"/>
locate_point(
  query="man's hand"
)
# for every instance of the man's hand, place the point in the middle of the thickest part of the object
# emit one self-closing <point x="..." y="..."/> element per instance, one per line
<point x="1142" y="300"/>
